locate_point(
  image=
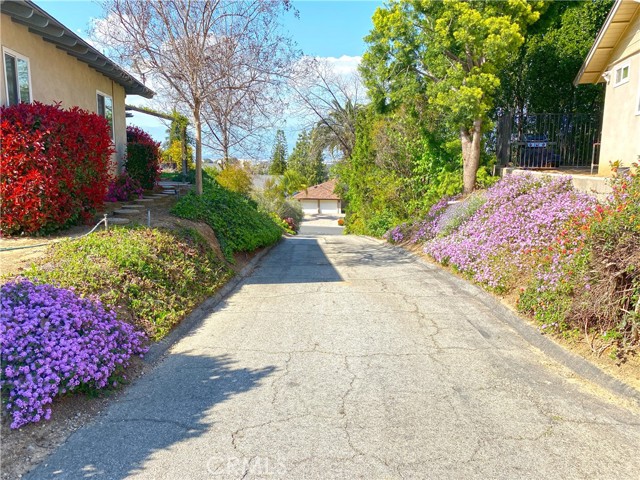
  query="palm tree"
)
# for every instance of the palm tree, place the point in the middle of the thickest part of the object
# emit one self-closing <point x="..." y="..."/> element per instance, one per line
<point x="336" y="132"/>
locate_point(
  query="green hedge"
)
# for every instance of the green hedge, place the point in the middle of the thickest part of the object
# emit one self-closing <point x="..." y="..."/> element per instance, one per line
<point x="238" y="224"/>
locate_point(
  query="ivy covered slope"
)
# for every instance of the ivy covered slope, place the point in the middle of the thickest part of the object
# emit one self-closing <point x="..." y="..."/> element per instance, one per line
<point x="151" y="278"/>
<point x="573" y="263"/>
<point x="236" y="220"/>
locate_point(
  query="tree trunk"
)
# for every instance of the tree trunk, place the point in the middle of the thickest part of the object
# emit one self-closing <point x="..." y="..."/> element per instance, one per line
<point x="198" y="125"/>
<point x="225" y="150"/>
<point x="471" y="143"/>
<point x="183" y="141"/>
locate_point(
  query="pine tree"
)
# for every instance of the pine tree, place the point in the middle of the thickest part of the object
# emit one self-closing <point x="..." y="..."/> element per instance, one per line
<point x="307" y="160"/>
<point x="279" y="155"/>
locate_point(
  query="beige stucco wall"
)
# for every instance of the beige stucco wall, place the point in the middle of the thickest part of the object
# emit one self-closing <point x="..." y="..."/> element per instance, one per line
<point x="58" y="77"/>
<point x="621" y="120"/>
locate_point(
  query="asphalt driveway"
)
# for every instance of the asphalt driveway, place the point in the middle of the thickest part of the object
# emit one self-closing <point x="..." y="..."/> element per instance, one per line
<point x="321" y="224"/>
<point x="343" y="358"/>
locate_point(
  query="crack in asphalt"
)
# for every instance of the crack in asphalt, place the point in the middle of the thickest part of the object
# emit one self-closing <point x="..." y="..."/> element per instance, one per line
<point x="397" y="371"/>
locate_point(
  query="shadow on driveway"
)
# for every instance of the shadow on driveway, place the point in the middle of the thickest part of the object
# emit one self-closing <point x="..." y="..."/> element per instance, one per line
<point x="295" y="260"/>
<point x="159" y="411"/>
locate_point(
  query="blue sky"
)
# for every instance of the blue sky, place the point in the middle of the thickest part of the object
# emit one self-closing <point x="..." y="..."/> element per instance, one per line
<point x="330" y="28"/>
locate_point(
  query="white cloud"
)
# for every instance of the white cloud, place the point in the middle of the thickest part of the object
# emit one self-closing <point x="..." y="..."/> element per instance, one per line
<point x="344" y="65"/>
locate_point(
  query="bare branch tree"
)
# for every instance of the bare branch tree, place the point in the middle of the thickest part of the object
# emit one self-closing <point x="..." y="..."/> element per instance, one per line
<point x="250" y="97"/>
<point x="330" y="100"/>
<point x="184" y="45"/>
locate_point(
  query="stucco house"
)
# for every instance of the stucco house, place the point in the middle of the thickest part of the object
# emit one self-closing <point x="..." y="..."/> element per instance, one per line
<point x="614" y="58"/>
<point x="44" y="61"/>
<point x="320" y="199"/>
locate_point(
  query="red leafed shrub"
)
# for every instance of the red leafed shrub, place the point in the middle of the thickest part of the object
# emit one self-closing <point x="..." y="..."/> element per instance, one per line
<point x="54" y="166"/>
<point x="143" y="157"/>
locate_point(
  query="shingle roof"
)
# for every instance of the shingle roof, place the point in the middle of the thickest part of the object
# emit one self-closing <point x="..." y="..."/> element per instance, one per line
<point x="324" y="191"/>
<point x="39" y="22"/>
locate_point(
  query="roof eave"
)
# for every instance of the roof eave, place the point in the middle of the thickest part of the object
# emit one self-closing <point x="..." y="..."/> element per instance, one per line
<point x="39" y="22"/>
<point x="593" y="75"/>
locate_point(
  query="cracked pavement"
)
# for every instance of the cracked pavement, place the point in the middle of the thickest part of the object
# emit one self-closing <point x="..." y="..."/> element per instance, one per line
<point x="340" y="357"/>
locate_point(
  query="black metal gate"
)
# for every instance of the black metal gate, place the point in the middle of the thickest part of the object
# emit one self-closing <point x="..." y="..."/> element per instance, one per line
<point x="548" y="140"/>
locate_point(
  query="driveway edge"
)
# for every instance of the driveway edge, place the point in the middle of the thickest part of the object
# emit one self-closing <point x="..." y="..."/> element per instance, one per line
<point x="579" y="365"/>
<point x="158" y="349"/>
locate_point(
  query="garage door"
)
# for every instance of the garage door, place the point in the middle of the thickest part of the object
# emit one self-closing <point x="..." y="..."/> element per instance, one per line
<point x="329" y="206"/>
<point x="310" y="206"/>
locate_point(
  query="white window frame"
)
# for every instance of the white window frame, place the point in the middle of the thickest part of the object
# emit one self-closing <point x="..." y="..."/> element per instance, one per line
<point x="17" y="56"/>
<point x="619" y="68"/>
<point x="113" y="120"/>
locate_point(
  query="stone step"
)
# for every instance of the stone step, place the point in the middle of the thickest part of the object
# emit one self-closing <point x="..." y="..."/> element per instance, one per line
<point x="131" y="206"/>
<point x="126" y="211"/>
<point x="118" y="221"/>
<point x="144" y="200"/>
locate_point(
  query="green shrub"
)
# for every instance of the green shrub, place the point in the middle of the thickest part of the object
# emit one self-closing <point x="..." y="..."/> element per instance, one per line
<point x="179" y="176"/>
<point x="272" y="200"/>
<point x="378" y="223"/>
<point x="235" y="178"/>
<point x="291" y="208"/>
<point x="153" y="278"/>
<point x="238" y="224"/>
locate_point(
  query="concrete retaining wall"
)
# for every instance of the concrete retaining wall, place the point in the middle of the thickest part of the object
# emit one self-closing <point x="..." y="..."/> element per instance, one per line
<point x="598" y="186"/>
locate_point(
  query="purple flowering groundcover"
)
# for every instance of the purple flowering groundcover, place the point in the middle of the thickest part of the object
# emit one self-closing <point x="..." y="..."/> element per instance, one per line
<point x="491" y="236"/>
<point x="51" y="342"/>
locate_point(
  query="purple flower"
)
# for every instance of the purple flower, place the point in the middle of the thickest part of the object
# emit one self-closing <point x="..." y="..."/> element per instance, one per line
<point x="522" y="214"/>
<point x="51" y="341"/>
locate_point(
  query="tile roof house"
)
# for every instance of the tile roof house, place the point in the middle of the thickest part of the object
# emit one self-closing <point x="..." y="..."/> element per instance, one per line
<point x="614" y="58"/>
<point x="45" y="61"/>
<point x="320" y="199"/>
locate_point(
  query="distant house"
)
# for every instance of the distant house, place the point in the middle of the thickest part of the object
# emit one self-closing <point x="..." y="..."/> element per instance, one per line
<point x="44" y="61"/>
<point x="614" y="58"/>
<point x="260" y="182"/>
<point x="320" y="199"/>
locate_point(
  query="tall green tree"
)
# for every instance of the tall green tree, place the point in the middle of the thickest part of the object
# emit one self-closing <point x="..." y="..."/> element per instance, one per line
<point x="307" y="160"/>
<point x="317" y="170"/>
<point x="449" y="53"/>
<point x="539" y="79"/>
<point x="373" y="194"/>
<point x="279" y="155"/>
<point x="179" y="150"/>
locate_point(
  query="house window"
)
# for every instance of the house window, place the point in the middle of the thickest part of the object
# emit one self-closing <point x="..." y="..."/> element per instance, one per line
<point x="621" y="75"/>
<point x="105" y="109"/>
<point x="17" y="77"/>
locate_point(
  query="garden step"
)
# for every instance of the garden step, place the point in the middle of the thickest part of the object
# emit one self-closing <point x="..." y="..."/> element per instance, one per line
<point x="118" y="221"/>
<point x="131" y="205"/>
<point x="127" y="211"/>
<point x="144" y="200"/>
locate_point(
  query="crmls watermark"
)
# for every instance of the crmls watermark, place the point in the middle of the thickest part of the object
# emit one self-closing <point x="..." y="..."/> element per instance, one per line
<point x="239" y="466"/>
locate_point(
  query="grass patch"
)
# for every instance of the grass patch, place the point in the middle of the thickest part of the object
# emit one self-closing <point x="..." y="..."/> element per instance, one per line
<point x="178" y="176"/>
<point x="153" y="278"/>
<point x="238" y="224"/>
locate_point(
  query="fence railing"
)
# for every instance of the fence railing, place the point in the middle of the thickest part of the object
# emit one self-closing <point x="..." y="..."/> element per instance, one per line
<point x="548" y="140"/>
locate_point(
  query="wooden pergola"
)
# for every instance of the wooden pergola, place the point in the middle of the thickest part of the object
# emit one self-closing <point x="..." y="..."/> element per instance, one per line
<point x="172" y="118"/>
